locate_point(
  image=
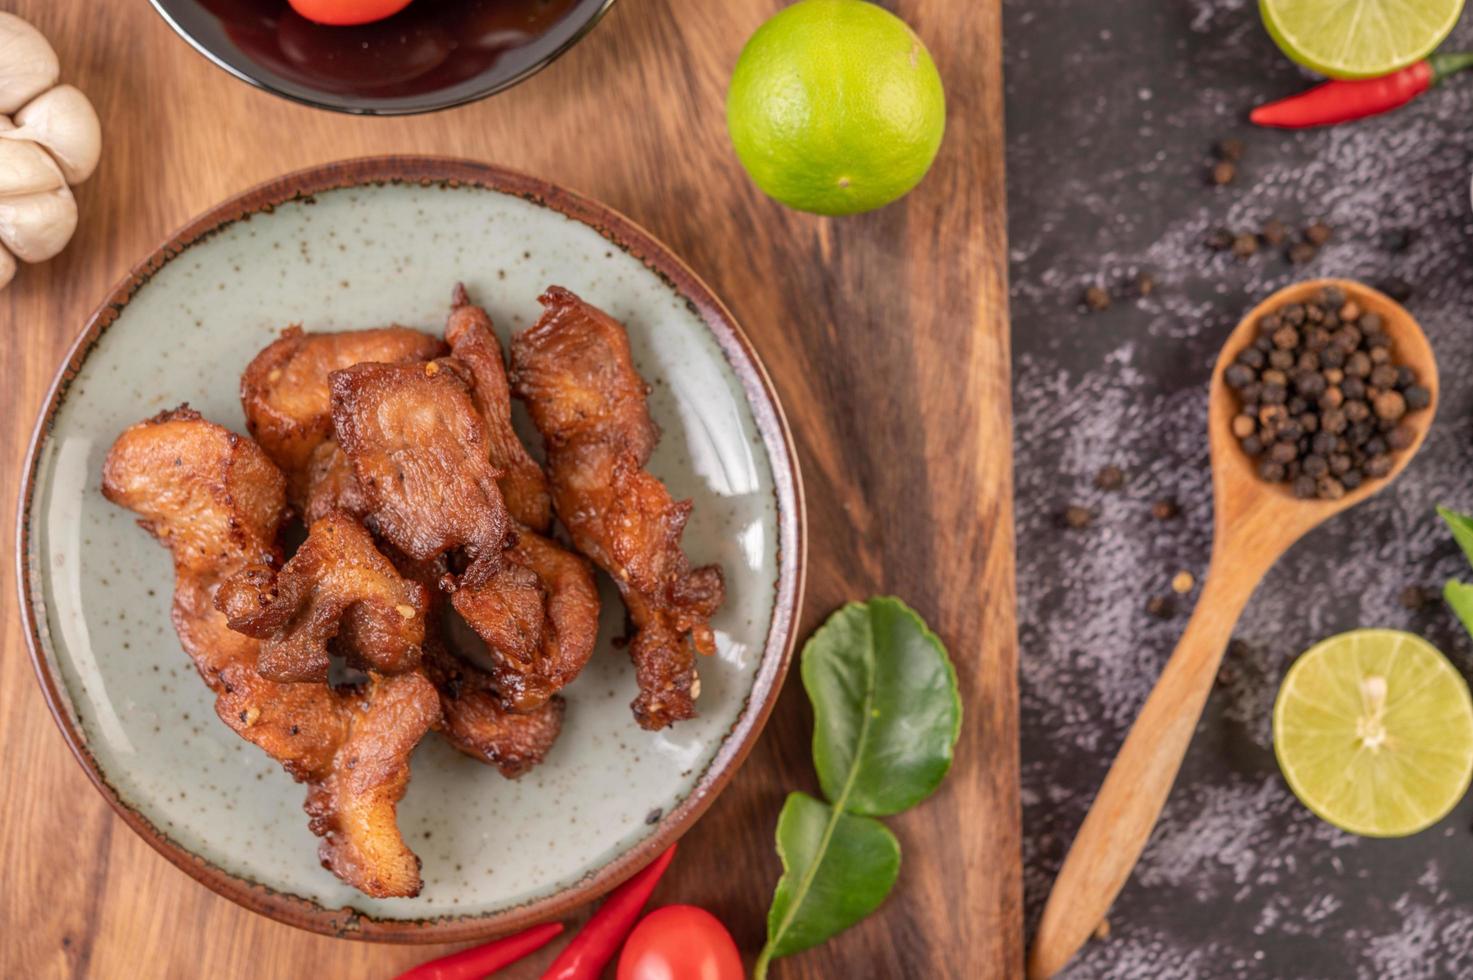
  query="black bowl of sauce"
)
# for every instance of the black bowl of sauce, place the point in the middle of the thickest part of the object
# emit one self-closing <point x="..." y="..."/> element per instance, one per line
<point x="432" y="55"/>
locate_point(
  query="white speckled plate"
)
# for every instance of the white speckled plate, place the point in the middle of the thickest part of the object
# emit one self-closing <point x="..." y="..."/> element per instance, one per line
<point x="365" y="243"/>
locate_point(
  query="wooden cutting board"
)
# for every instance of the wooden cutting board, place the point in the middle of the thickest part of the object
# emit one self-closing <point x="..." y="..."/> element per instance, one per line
<point x="886" y="335"/>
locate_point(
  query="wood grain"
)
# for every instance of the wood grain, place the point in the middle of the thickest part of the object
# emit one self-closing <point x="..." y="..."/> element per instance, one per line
<point x="886" y="336"/>
<point x="1254" y="523"/>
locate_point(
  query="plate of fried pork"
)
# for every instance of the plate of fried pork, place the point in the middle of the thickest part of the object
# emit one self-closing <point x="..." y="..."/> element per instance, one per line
<point x="411" y="549"/>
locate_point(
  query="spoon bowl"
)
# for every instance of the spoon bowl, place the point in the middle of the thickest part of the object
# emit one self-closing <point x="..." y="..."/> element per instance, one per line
<point x="1254" y="522"/>
<point x="1237" y="489"/>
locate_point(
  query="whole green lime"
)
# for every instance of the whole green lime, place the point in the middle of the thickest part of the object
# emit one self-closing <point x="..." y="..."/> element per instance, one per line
<point x="835" y="107"/>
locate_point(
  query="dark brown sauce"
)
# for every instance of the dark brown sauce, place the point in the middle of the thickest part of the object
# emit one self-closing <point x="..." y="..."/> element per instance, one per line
<point x="432" y="46"/>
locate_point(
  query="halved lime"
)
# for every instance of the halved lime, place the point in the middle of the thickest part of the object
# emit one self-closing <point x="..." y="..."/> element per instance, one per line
<point x="1358" y="38"/>
<point x="1374" y="732"/>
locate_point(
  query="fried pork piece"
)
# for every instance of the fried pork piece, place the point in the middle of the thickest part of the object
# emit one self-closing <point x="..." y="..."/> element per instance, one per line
<point x="331" y="485"/>
<point x="575" y="372"/>
<point x="421" y="454"/>
<point x="353" y="808"/>
<point x="285" y="397"/>
<point x="477" y="721"/>
<point x="538" y="615"/>
<point x="473" y="342"/>
<point x="337" y="586"/>
<point x="216" y="502"/>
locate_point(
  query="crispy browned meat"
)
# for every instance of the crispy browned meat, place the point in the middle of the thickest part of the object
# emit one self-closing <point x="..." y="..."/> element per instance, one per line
<point x="522" y="482"/>
<point x="337" y="586"/>
<point x="331" y="485"/>
<point x="538" y="615"/>
<point x="216" y="501"/>
<point x="353" y="809"/>
<point x="421" y="454"/>
<point x="575" y="372"/>
<point x="285" y="397"/>
<point x="477" y="721"/>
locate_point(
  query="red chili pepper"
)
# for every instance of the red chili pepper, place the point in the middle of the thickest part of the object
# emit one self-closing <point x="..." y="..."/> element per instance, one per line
<point x="1343" y="100"/>
<point x="476" y="962"/>
<point x="595" y="945"/>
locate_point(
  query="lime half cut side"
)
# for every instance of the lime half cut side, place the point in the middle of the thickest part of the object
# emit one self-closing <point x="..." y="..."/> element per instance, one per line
<point x="1374" y="732"/>
<point x="1358" y="38"/>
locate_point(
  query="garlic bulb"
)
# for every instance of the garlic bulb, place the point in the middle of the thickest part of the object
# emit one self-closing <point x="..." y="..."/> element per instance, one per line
<point x="54" y="142"/>
<point x="63" y="121"/>
<point x="28" y="65"/>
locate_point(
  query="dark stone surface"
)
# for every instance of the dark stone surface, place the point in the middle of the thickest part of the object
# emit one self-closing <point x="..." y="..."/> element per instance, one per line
<point x="1112" y="112"/>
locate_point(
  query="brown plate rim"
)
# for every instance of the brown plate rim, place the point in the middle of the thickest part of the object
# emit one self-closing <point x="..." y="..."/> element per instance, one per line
<point x="787" y="489"/>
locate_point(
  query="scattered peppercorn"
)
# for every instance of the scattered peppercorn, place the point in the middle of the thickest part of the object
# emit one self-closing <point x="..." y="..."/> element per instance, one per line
<point x="1322" y="401"/>
<point x="1110" y="478"/>
<point x="1274" y="233"/>
<point x="1302" y="253"/>
<point x="1165" y="509"/>
<point x="1317" y="234"/>
<point x="1414" y="597"/>
<point x="1220" y="239"/>
<point x="1223" y="173"/>
<point x="1182" y="582"/>
<point x="1097" y="298"/>
<point x="1245" y="246"/>
<point x="1145" y="285"/>
<point x="1077" y="517"/>
<point x="1228" y="149"/>
<point x="1161" y="606"/>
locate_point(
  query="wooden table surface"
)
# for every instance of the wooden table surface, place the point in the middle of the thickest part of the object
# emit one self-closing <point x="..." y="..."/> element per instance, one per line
<point x="886" y="335"/>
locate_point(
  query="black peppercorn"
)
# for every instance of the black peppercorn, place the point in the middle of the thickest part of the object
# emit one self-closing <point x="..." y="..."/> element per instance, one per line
<point x="1377" y="466"/>
<point x="1238" y="375"/>
<point x="1417" y="398"/>
<point x="1110" y="478"/>
<point x="1301" y="253"/>
<point x="1251" y="357"/>
<point x="1219" y="239"/>
<point x="1304" y="486"/>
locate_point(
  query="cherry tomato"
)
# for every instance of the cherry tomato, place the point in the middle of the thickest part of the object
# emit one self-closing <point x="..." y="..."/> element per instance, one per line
<point x="680" y="942"/>
<point x="347" y="11"/>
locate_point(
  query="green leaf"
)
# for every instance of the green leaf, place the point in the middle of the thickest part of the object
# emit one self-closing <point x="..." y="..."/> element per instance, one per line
<point x="837" y="869"/>
<point x="1462" y="528"/>
<point x="1459" y="595"/>
<point x="887" y="712"/>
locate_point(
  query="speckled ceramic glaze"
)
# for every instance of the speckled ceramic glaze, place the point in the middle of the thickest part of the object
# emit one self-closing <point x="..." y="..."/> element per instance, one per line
<point x="352" y="245"/>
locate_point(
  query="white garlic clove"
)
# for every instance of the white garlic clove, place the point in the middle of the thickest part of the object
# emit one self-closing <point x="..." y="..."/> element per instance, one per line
<point x="7" y="268"/>
<point x="25" y="168"/>
<point x="37" y="226"/>
<point x="28" y="65"/>
<point x="64" y="122"/>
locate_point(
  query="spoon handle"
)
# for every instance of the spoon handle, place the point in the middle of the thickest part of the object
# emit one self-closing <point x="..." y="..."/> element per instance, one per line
<point x="1120" y="820"/>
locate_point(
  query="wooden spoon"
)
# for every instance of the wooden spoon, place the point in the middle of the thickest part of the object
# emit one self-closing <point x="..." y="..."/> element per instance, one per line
<point x="1255" y="522"/>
